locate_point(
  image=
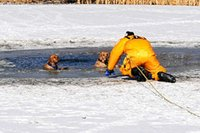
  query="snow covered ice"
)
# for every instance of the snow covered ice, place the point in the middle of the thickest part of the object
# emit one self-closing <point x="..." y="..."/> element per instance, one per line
<point x="44" y="26"/>
<point x="97" y="104"/>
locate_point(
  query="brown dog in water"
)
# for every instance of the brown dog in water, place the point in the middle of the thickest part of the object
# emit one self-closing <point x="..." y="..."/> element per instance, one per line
<point x="102" y="60"/>
<point x="52" y="63"/>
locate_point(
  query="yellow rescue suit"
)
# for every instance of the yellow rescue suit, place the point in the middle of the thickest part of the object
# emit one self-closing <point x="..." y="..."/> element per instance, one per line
<point x="139" y="52"/>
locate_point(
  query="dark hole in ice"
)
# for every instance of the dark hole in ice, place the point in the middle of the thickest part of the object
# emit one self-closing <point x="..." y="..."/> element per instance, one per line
<point x="29" y="63"/>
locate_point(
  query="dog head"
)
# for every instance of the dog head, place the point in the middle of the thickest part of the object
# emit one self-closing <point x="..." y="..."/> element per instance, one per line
<point x="103" y="57"/>
<point x="53" y="59"/>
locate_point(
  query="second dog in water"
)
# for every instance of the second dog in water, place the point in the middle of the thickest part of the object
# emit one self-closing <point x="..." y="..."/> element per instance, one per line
<point x="102" y="60"/>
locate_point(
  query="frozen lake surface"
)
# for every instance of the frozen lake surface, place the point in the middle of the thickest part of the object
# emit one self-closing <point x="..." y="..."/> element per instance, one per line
<point x="80" y="61"/>
<point x="81" y="99"/>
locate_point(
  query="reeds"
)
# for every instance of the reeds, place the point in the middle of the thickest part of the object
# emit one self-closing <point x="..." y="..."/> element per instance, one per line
<point x="147" y="2"/>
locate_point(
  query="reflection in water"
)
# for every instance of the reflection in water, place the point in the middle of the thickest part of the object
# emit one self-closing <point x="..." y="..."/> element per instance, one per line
<point x="29" y="63"/>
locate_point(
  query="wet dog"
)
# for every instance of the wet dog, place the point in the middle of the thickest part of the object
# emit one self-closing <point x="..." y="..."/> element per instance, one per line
<point x="102" y="60"/>
<point x="52" y="63"/>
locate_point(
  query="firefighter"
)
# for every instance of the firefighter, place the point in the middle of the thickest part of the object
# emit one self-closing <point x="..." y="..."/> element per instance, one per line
<point x="140" y="60"/>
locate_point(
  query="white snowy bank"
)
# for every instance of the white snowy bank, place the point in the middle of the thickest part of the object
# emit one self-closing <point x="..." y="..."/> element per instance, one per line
<point x="97" y="106"/>
<point x="53" y="26"/>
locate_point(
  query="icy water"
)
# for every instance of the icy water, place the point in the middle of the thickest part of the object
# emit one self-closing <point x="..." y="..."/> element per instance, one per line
<point x="29" y="63"/>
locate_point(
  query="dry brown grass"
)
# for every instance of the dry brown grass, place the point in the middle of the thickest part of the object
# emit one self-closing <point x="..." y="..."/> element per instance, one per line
<point x="134" y="2"/>
<point x="33" y="1"/>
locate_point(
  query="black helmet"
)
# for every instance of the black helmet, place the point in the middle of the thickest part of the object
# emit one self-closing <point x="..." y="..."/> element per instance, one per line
<point x="129" y="33"/>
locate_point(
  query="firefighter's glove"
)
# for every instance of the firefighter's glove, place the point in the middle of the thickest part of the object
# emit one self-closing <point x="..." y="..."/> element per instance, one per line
<point x="109" y="72"/>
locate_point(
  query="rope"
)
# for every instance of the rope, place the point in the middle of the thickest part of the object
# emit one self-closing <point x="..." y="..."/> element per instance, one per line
<point x="165" y="98"/>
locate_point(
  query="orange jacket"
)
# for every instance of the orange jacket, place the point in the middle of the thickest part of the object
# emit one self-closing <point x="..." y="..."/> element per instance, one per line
<point x="132" y="47"/>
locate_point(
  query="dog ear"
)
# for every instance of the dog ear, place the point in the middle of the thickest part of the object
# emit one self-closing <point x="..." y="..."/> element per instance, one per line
<point x="50" y="60"/>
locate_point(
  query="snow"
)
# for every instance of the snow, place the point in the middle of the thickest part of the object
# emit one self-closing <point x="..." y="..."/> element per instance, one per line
<point x="57" y="25"/>
<point x="93" y="105"/>
<point x="97" y="105"/>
